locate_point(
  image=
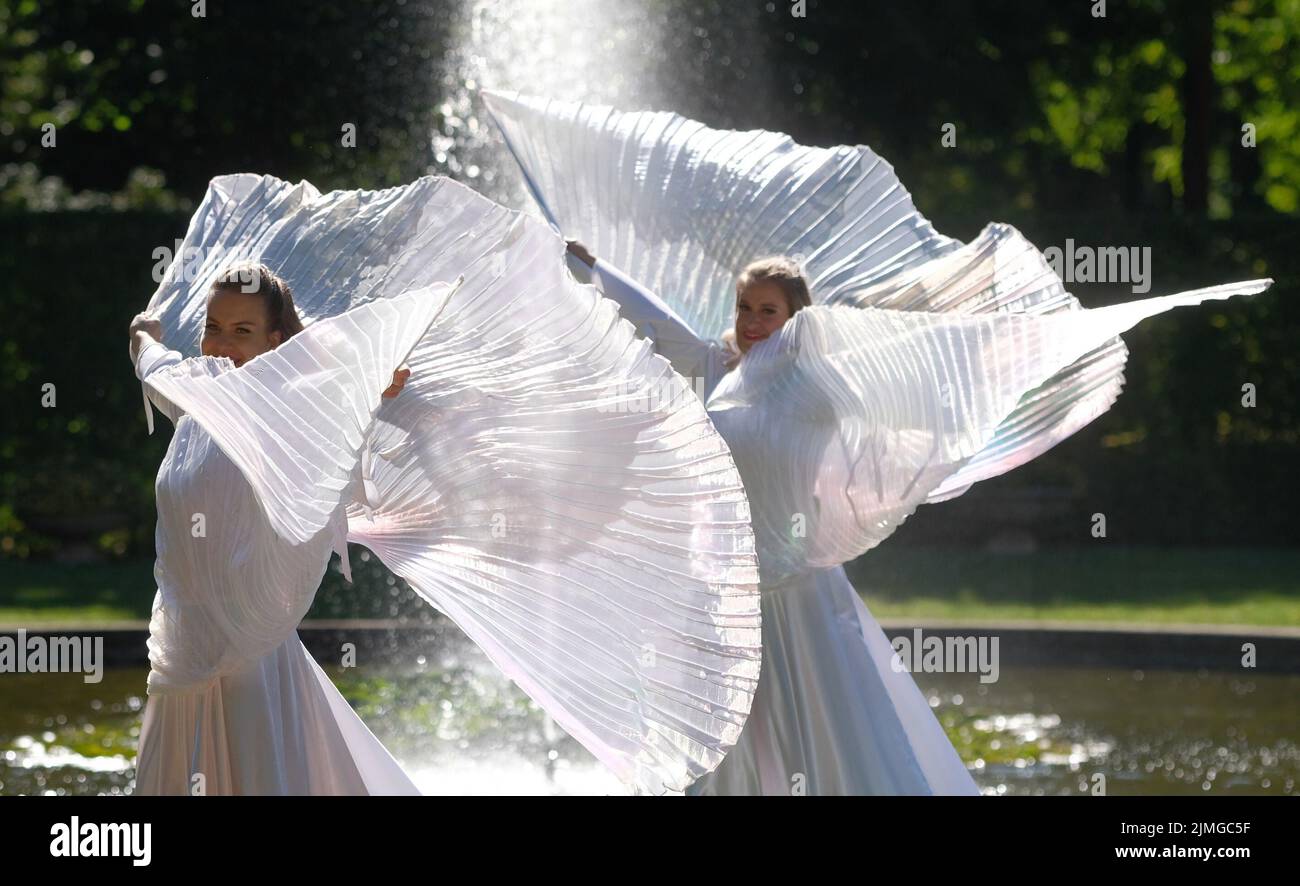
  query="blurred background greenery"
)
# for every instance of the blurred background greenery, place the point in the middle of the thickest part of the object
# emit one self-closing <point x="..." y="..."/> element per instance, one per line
<point x="1123" y="130"/>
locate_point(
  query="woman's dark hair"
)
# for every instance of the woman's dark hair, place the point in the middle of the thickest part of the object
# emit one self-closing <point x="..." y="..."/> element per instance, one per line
<point x="254" y="278"/>
<point x="782" y="271"/>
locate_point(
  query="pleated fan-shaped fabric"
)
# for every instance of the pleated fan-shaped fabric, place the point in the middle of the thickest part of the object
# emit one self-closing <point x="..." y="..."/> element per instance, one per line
<point x="600" y="552"/>
<point x="923" y="366"/>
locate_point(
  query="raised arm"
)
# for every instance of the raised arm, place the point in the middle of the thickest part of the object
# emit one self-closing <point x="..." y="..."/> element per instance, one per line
<point x="700" y="361"/>
<point x="149" y="355"/>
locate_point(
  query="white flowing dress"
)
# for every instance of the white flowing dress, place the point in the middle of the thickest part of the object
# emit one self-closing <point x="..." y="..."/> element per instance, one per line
<point x="923" y="366"/>
<point x="832" y="716"/>
<point x="601" y="555"/>
<point x="273" y="725"/>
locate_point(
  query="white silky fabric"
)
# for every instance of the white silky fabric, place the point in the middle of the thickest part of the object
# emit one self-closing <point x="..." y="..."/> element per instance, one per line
<point x="702" y="363"/>
<point x="275" y="727"/>
<point x="229" y="698"/>
<point x="240" y="561"/>
<point x="924" y="365"/>
<point x="681" y="208"/>
<point x="600" y="554"/>
<point x="846" y="420"/>
<point x="832" y="716"/>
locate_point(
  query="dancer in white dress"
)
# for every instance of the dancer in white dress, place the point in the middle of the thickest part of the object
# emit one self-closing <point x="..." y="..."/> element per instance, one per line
<point x="271" y="725"/>
<point x="600" y="555"/>
<point x="917" y="367"/>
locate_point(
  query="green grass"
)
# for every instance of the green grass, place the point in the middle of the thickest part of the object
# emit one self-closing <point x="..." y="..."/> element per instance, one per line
<point x="47" y="591"/>
<point x="1258" y="586"/>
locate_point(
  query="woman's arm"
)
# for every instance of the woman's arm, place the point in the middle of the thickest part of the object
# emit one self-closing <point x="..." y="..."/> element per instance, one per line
<point x="700" y="362"/>
<point x="149" y="355"/>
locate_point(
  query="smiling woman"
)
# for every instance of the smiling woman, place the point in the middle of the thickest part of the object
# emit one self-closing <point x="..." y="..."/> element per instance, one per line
<point x="250" y="311"/>
<point x="235" y="704"/>
<point x="768" y="292"/>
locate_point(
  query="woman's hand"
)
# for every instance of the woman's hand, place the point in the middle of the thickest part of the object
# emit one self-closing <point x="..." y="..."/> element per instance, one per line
<point x="581" y="252"/>
<point x="144" y="328"/>
<point x="399" y="381"/>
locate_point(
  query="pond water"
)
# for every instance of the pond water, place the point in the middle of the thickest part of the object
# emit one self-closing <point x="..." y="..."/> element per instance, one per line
<point x="459" y="727"/>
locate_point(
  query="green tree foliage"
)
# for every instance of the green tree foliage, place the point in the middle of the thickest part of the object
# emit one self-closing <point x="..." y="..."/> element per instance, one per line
<point x="265" y="86"/>
<point x="1116" y="130"/>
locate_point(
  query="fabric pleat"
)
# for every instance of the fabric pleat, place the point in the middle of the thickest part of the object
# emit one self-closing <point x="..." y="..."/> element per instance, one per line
<point x="315" y="395"/>
<point x="543" y="478"/>
<point x="924" y="365"/>
<point x="681" y="208"/>
<point x="848" y="419"/>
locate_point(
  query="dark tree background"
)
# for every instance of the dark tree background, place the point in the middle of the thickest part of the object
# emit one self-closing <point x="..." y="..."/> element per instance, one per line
<point x="1123" y="129"/>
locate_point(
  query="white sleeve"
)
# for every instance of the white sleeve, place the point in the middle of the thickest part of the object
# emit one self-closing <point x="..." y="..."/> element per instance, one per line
<point x="150" y="359"/>
<point x="700" y="361"/>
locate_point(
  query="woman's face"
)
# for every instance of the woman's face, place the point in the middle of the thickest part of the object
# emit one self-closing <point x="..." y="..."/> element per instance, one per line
<point x="237" y="327"/>
<point x="761" y="310"/>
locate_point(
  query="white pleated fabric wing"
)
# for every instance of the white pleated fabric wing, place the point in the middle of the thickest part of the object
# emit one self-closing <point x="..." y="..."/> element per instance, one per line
<point x="321" y="388"/>
<point x="848" y="419"/>
<point x="682" y="208"/>
<point x="593" y="540"/>
<point x="1002" y="272"/>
